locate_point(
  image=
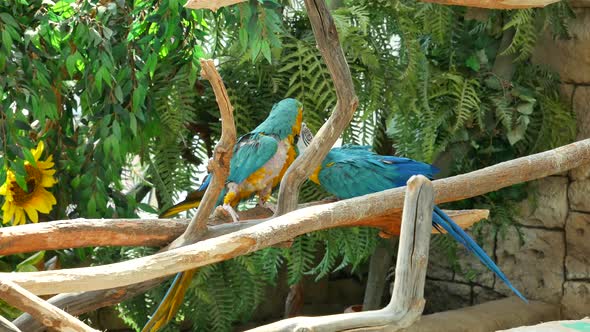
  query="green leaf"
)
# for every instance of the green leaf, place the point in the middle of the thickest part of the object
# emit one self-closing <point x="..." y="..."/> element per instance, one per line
<point x="119" y="94"/>
<point x="29" y="156"/>
<point x="8" y="19"/>
<point x="526" y="108"/>
<point x="243" y="36"/>
<point x="147" y="208"/>
<point x="266" y="51"/>
<point x="473" y="63"/>
<point x="150" y="64"/>
<point x="6" y="40"/>
<point x="72" y="62"/>
<point x="133" y="124"/>
<point x="117" y="129"/>
<point x="31" y="261"/>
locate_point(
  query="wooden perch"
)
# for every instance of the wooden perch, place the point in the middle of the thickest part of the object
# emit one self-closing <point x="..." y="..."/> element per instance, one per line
<point x="495" y="4"/>
<point x="214" y="5"/>
<point x="79" y="233"/>
<point x="218" y="166"/>
<point x="407" y="300"/>
<point x="328" y="43"/>
<point x="44" y="312"/>
<point x="286" y="227"/>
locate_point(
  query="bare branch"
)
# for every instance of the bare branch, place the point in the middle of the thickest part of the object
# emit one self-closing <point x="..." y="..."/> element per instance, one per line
<point x="328" y="43"/>
<point x="79" y="233"/>
<point x="495" y="4"/>
<point x="214" y="5"/>
<point x="286" y="227"/>
<point x="407" y="300"/>
<point x="219" y="164"/>
<point x="44" y="312"/>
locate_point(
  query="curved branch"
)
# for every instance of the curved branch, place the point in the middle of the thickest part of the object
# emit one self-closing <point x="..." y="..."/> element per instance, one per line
<point x="219" y="164"/>
<point x="407" y="300"/>
<point x="299" y="222"/>
<point x="44" y="312"/>
<point x="328" y="43"/>
<point x="79" y="233"/>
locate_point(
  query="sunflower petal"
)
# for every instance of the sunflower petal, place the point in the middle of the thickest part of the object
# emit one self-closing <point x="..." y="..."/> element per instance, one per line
<point x="32" y="213"/>
<point x="48" y="181"/>
<point x="38" y="151"/>
<point x="19" y="217"/>
<point x="8" y="209"/>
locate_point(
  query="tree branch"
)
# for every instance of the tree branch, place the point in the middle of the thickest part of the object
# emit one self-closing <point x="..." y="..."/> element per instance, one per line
<point x="79" y="233"/>
<point x="286" y="227"/>
<point x="407" y="300"/>
<point x="214" y="5"/>
<point x="328" y="43"/>
<point x="44" y="312"/>
<point x="219" y="164"/>
<point x="495" y="4"/>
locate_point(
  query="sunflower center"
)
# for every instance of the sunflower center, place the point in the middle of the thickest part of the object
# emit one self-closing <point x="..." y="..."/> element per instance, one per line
<point x="33" y="178"/>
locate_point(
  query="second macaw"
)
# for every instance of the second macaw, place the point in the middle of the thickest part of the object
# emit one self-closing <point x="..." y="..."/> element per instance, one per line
<point x="259" y="161"/>
<point x="352" y="171"/>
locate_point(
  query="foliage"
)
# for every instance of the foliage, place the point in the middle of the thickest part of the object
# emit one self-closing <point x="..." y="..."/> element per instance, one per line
<point x="113" y="90"/>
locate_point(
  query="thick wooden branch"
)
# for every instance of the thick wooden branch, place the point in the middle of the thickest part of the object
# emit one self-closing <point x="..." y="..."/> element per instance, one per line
<point x="286" y="227"/>
<point x="495" y="4"/>
<point x="214" y="5"/>
<point x="407" y="300"/>
<point x="80" y="303"/>
<point x="79" y="233"/>
<point x="219" y="164"/>
<point x="328" y="43"/>
<point x="44" y="312"/>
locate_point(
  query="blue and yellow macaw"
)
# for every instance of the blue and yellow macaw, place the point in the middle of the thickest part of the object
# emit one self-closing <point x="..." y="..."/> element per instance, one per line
<point x="352" y="171"/>
<point x="259" y="161"/>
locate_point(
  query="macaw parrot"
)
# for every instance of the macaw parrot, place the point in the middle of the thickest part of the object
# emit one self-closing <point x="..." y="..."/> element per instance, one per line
<point x="351" y="171"/>
<point x="260" y="159"/>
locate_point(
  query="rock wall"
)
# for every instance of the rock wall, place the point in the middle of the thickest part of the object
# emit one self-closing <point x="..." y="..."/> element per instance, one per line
<point x="550" y="259"/>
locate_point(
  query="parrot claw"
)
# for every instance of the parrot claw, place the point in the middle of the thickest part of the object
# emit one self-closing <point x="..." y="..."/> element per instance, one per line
<point x="232" y="213"/>
<point x="268" y="205"/>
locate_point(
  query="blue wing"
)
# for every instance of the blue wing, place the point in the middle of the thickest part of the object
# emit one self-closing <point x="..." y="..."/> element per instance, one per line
<point x="251" y="153"/>
<point x="440" y="219"/>
<point x="354" y="171"/>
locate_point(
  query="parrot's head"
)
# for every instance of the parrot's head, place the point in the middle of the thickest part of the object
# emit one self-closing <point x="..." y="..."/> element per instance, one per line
<point x="284" y="119"/>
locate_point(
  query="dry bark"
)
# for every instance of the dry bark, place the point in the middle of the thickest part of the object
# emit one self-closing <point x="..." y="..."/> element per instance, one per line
<point x="79" y="233"/>
<point x="407" y="300"/>
<point x="44" y="312"/>
<point x="328" y="43"/>
<point x="214" y="5"/>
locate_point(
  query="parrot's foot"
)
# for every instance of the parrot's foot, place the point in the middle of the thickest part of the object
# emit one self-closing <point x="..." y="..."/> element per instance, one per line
<point x="268" y="205"/>
<point x="232" y="213"/>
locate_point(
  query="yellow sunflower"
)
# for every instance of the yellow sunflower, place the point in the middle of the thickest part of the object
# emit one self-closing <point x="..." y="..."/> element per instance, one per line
<point x="36" y="198"/>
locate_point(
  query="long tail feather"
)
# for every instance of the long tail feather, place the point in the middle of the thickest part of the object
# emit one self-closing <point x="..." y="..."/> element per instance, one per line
<point x="170" y="303"/>
<point x="440" y="219"/>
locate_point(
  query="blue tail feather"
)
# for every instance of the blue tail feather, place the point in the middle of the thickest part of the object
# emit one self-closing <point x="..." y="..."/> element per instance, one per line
<point x="440" y="219"/>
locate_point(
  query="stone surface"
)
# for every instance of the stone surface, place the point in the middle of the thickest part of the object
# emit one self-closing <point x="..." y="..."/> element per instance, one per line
<point x="579" y="194"/>
<point x="536" y="267"/>
<point x="483" y="295"/>
<point x="577" y="238"/>
<point x="438" y="262"/>
<point x="570" y="58"/>
<point x="547" y="204"/>
<point x="579" y="3"/>
<point x="445" y="295"/>
<point x="580" y="173"/>
<point x="469" y="263"/>
<point x="576" y="300"/>
<point x="566" y="92"/>
<point x="581" y="106"/>
<point x="487" y="317"/>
